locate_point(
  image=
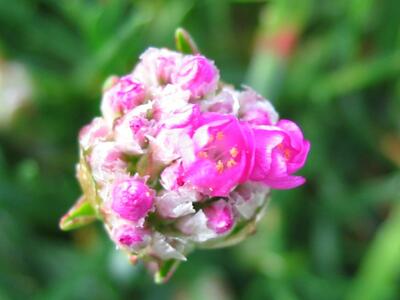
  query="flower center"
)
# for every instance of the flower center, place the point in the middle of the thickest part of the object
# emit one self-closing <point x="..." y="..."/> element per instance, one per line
<point x="217" y="150"/>
<point x="286" y="152"/>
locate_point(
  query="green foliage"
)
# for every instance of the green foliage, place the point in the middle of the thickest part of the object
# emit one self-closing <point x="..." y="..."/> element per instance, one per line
<point x="332" y="66"/>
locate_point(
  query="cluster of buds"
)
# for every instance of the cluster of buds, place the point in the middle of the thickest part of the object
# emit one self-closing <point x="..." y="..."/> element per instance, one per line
<point x="180" y="160"/>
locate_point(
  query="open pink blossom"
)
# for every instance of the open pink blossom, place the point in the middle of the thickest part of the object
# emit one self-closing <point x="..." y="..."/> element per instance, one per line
<point x="222" y="155"/>
<point x="280" y="151"/>
<point x="197" y="74"/>
<point x="93" y="133"/>
<point x="255" y="109"/>
<point x="125" y="94"/>
<point x="132" y="199"/>
<point x="130" y="236"/>
<point x="219" y="216"/>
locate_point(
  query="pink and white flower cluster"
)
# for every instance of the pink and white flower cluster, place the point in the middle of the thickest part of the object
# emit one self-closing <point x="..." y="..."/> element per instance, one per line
<point x="180" y="159"/>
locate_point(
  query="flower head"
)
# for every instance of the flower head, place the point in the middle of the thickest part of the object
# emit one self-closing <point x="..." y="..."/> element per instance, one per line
<point x="178" y="158"/>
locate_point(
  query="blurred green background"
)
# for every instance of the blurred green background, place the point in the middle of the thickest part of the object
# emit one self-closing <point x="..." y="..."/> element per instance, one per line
<point x="332" y="66"/>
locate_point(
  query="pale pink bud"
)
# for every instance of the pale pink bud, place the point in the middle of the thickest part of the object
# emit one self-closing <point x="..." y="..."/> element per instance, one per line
<point x="170" y="177"/>
<point x="129" y="236"/>
<point x="172" y="108"/>
<point x="132" y="128"/>
<point x="197" y="74"/>
<point x="123" y="96"/>
<point x="156" y="66"/>
<point x="225" y="102"/>
<point x="169" y="144"/>
<point x="219" y="216"/>
<point x="132" y="199"/>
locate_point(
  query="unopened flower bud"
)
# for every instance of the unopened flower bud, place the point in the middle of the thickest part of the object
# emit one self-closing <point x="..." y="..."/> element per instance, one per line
<point x="219" y="216"/>
<point x="198" y="75"/>
<point x="132" y="199"/>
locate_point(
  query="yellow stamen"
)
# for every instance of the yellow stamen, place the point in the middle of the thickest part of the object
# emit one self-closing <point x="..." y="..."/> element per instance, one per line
<point x="220" y="135"/>
<point x="286" y="151"/>
<point x="234" y="152"/>
<point x="202" y="154"/>
<point x="230" y="163"/>
<point x="286" y="154"/>
<point x="219" y="166"/>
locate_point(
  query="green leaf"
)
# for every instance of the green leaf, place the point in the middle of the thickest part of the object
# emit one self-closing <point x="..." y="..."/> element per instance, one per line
<point x="166" y="270"/>
<point x="82" y="213"/>
<point x="184" y="42"/>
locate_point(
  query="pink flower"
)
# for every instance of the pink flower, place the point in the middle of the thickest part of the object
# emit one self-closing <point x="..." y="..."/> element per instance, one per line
<point x="219" y="216"/>
<point x="279" y="152"/>
<point x="197" y="74"/>
<point x="127" y="235"/>
<point x="132" y="198"/>
<point x="125" y="94"/>
<point x="93" y="133"/>
<point x="221" y="156"/>
<point x="255" y="109"/>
